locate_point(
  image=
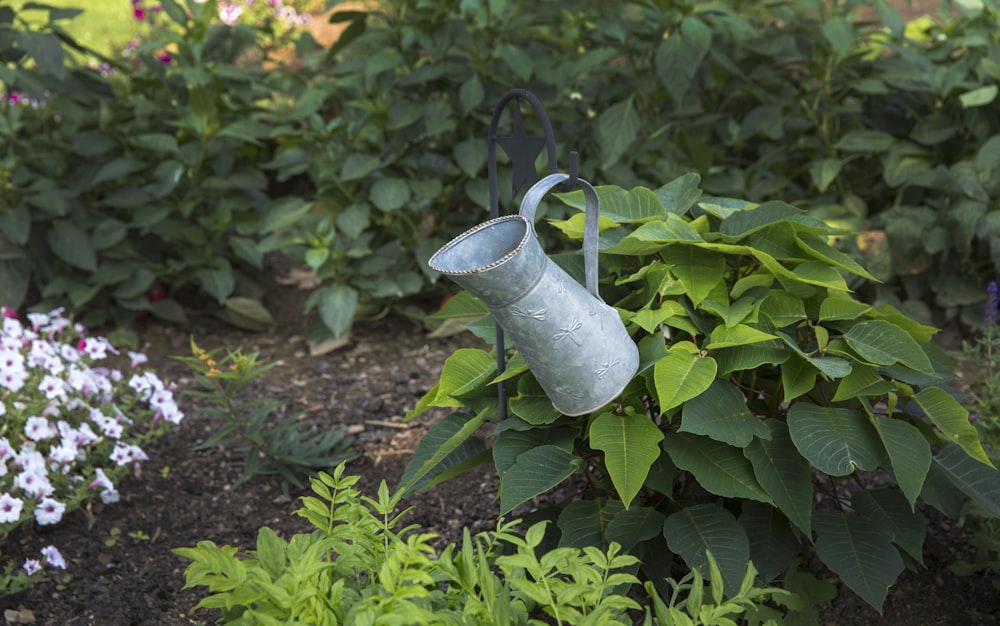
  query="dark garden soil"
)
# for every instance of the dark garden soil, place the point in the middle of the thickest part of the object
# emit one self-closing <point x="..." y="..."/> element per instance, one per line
<point x="121" y="570"/>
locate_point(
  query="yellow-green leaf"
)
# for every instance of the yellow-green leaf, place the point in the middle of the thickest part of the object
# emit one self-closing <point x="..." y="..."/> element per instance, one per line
<point x="953" y="420"/>
<point x="631" y="445"/>
<point x="681" y="376"/>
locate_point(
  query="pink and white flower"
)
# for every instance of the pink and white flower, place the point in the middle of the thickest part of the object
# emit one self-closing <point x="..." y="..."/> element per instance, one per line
<point x="49" y="511"/>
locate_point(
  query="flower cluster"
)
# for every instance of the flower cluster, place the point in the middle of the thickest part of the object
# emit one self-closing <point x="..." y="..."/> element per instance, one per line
<point x="142" y="14"/>
<point x="19" y="98"/>
<point x="230" y="11"/>
<point x="70" y="427"/>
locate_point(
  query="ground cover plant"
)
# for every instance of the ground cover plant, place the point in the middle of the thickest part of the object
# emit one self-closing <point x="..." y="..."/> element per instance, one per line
<point x="359" y="567"/>
<point x="759" y="370"/>
<point x="72" y="427"/>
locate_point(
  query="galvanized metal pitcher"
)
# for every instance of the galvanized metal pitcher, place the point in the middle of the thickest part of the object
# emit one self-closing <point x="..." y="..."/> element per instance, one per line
<point x="575" y="344"/>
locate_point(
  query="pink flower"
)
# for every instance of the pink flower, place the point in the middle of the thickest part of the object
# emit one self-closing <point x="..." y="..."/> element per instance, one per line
<point x="165" y="58"/>
<point x="139" y="14"/>
<point x="230" y="13"/>
<point x="6" y="311"/>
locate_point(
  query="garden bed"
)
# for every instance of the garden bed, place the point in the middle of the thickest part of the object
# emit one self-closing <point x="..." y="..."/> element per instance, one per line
<point x="120" y="567"/>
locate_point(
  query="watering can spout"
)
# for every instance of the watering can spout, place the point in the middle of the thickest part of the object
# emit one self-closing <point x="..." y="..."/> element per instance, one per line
<point x="576" y="345"/>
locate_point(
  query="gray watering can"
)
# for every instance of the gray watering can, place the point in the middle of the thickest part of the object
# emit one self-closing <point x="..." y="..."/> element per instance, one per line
<point x="575" y="344"/>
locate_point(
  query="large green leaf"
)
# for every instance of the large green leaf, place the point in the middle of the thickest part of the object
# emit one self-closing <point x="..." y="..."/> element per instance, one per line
<point x="835" y="440"/>
<point x="389" y="194"/>
<point x="784" y="474"/>
<point x="798" y="377"/>
<point x="630" y="444"/>
<point x="465" y="370"/>
<point x="620" y="205"/>
<point x="446" y="443"/>
<point x="680" y="376"/>
<point x="510" y="444"/>
<point x="585" y="523"/>
<point x="817" y="247"/>
<point x="695" y="530"/>
<point x="698" y="270"/>
<point x="742" y="223"/>
<point x="739" y="335"/>
<point x="783" y="309"/>
<point x="830" y="366"/>
<point x="337" y="306"/>
<point x="219" y="283"/>
<point x="909" y="453"/>
<point x="722" y="414"/>
<point x="71" y="244"/>
<point x="953" y="420"/>
<point x="680" y="194"/>
<point x="889" y="509"/>
<point x="863" y="380"/>
<point x="679" y="55"/>
<point x="617" y="129"/>
<point x="860" y="552"/>
<point x="841" y="308"/>
<point x="750" y="357"/>
<point x="535" y="472"/>
<point x="720" y="468"/>
<point x="773" y="544"/>
<point x="980" y="482"/>
<point x="881" y="342"/>
<point x="635" y="525"/>
<point x="531" y="404"/>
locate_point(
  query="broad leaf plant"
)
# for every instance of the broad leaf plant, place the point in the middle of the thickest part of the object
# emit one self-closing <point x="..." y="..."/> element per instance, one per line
<point x="773" y="412"/>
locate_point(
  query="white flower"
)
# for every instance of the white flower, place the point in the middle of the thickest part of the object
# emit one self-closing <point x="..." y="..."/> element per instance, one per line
<point x="37" y="320"/>
<point x="64" y="454"/>
<point x="38" y="428"/>
<point x="136" y="359"/>
<point x="10" y="508"/>
<point x="69" y="353"/>
<point x="32" y="566"/>
<point x="30" y="460"/>
<point x="53" y="557"/>
<point x="49" y="511"/>
<point x="97" y="348"/>
<point x="34" y="484"/>
<point x="124" y="454"/>
<point x="109" y="495"/>
<point x="53" y="387"/>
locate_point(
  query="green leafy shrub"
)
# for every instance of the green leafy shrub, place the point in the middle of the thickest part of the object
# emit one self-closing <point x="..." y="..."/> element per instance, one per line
<point x="282" y="448"/>
<point x="360" y="567"/>
<point x="361" y="159"/>
<point x="759" y="370"/>
<point x="133" y="186"/>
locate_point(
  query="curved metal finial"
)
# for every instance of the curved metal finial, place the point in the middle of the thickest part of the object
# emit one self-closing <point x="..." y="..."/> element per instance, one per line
<point x="521" y="148"/>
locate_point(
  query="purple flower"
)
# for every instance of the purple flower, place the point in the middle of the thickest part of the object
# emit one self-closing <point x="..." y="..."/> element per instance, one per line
<point x="165" y="58"/>
<point x="139" y="14"/>
<point x="992" y="303"/>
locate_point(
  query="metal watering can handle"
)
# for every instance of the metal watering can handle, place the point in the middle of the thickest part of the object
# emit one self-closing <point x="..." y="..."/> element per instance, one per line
<point x="529" y="205"/>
